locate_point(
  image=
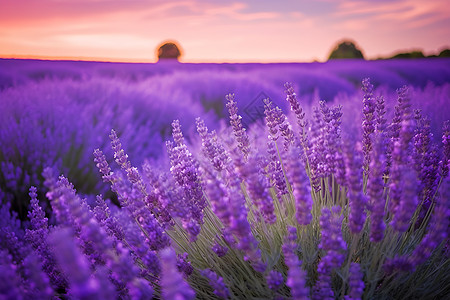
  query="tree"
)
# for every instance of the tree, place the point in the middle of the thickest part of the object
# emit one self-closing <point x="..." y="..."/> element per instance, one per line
<point x="346" y="49"/>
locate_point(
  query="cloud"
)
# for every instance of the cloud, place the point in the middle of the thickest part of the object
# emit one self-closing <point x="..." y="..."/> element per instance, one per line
<point x="407" y="13"/>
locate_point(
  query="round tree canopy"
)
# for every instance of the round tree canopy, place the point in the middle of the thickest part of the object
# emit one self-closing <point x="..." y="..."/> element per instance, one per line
<point x="346" y="49"/>
<point x="169" y="50"/>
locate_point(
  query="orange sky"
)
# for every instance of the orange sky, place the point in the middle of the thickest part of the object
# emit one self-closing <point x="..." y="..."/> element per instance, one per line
<point x="219" y="31"/>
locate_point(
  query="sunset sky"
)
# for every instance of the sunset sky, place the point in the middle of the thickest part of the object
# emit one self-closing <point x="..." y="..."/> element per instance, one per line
<point x="219" y="31"/>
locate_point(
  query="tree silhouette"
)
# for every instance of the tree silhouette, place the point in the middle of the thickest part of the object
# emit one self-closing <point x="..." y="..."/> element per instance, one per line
<point x="169" y="50"/>
<point x="345" y="49"/>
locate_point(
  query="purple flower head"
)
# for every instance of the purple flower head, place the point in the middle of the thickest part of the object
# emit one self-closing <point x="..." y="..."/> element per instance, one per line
<point x="331" y="241"/>
<point x="172" y="284"/>
<point x="10" y="287"/>
<point x="39" y="223"/>
<point x="102" y="165"/>
<point x="211" y="147"/>
<point x="37" y="281"/>
<point x="275" y="170"/>
<point x="368" y="125"/>
<point x="375" y="188"/>
<point x="239" y="131"/>
<point x="406" y="202"/>
<point x="258" y="189"/>
<point x="438" y="229"/>
<point x="445" y="162"/>
<point x="301" y="189"/>
<point x="275" y="280"/>
<point x="217" y="283"/>
<point x="355" y="282"/>
<point x="291" y="97"/>
<point x="176" y="133"/>
<point x="296" y="276"/>
<point x="219" y="249"/>
<point x="356" y="198"/>
<point x="76" y="267"/>
<point x="380" y="112"/>
<point x="183" y="265"/>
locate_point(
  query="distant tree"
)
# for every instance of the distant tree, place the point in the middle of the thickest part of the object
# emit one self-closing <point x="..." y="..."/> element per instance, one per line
<point x="445" y="53"/>
<point x="346" y="49"/>
<point x="169" y="50"/>
<point x="412" y="54"/>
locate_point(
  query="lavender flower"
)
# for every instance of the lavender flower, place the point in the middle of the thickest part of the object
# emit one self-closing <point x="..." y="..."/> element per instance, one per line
<point x="437" y="232"/>
<point x="426" y="163"/>
<point x="236" y="124"/>
<point x="334" y="246"/>
<point x="39" y="223"/>
<point x="9" y="279"/>
<point x="76" y="267"/>
<point x="380" y="112"/>
<point x="274" y="280"/>
<point x="291" y="97"/>
<point x="445" y="162"/>
<point x="301" y="189"/>
<point x="375" y="188"/>
<point x="275" y="171"/>
<point x="219" y="249"/>
<point x="356" y="198"/>
<point x="172" y="284"/>
<point x="258" y="188"/>
<point x="37" y="282"/>
<point x="356" y="283"/>
<point x="296" y="277"/>
<point x="183" y="265"/>
<point x="217" y="283"/>
<point x="368" y="125"/>
<point x="212" y="149"/>
<point x="186" y="172"/>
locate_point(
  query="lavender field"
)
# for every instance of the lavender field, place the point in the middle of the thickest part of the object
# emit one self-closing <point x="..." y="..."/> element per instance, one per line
<point x="225" y="181"/>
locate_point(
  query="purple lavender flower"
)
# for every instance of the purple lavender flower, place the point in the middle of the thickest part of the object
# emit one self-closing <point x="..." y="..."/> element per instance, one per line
<point x="402" y="119"/>
<point x="172" y="284"/>
<point x="10" y="287"/>
<point x="368" y="125"/>
<point x="356" y="198"/>
<point x="183" y="265"/>
<point x="355" y="282"/>
<point x="185" y="170"/>
<point x="219" y="249"/>
<point x="275" y="171"/>
<point x="301" y="189"/>
<point x="39" y="223"/>
<point x="426" y="163"/>
<point x="296" y="276"/>
<point x="239" y="131"/>
<point x="291" y="97"/>
<point x="316" y="150"/>
<point x="217" y="283"/>
<point x="257" y="189"/>
<point x="375" y="188"/>
<point x="438" y="230"/>
<point x="274" y="280"/>
<point x="76" y="267"/>
<point x="380" y="113"/>
<point x="445" y="162"/>
<point x="37" y="281"/>
<point x="102" y="165"/>
<point x="212" y="149"/>
<point x="334" y="247"/>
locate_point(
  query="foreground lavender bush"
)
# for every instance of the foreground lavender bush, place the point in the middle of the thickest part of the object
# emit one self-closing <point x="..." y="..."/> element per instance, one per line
<point x="295" y="211"/>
